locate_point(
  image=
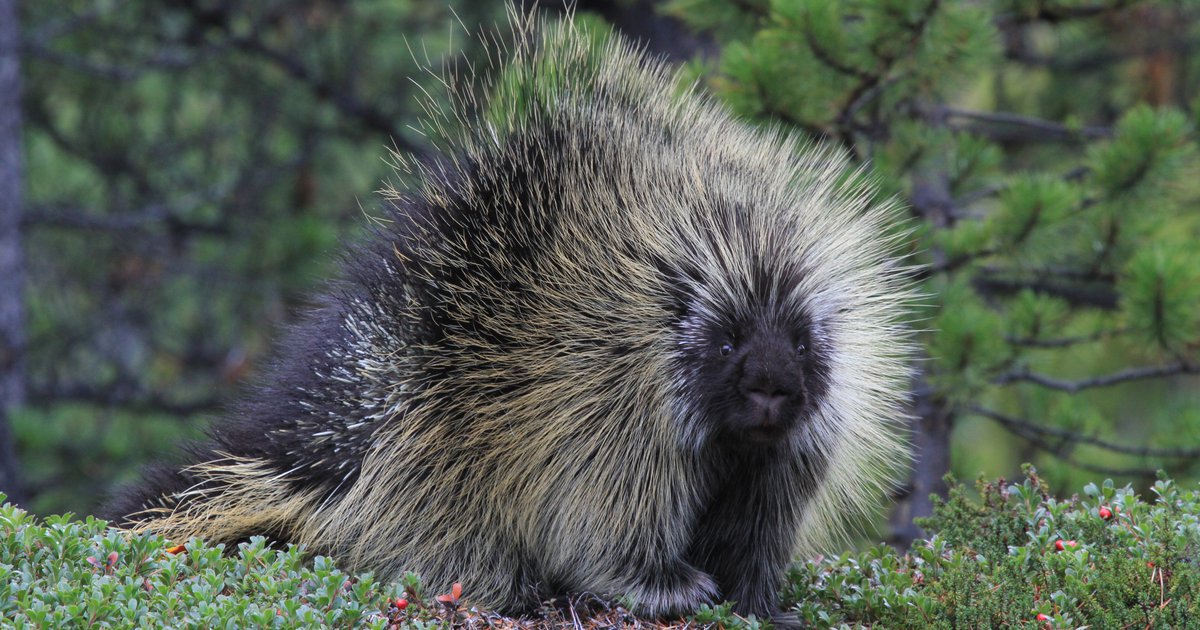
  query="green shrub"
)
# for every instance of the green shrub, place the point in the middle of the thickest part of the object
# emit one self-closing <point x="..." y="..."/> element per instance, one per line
<point x="1106" y="559"/>
<point x="1103" y="559"/>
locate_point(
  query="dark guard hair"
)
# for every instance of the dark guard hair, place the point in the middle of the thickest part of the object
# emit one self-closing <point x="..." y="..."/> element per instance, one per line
<point x="615" y="342"/>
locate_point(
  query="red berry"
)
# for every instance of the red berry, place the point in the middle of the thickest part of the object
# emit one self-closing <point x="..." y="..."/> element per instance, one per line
<point x="1043" y="617"/>
<point x="401" y="603"/>
<point x="1105" y="513"/>
<point x="1060" y="545"/>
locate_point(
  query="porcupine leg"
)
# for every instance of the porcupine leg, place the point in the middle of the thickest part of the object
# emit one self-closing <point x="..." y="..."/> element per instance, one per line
<point x="744" y="540"/>
<point x="672" y="590"/>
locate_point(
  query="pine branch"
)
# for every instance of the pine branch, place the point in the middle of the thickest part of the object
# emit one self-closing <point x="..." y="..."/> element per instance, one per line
<point x="875" y="82"/>
<point x="340" y="96"/>
<point x="130" y="396"/>
<point x="955" y="263"/>
<point x="1049" y="13"/>
<point x="1061" y="450"/>
<point x="139" y="220"/>
<point x="1029" y="128"/>
<point x="829" y="60"/>
<point x="1094" y="295"/>
<point x="345" y="101"/>
<point x="1065" y="342"/>
<point x="1026" y="428"/>
<point x="759" y="10"/>
<point x="1108" y="380"/>
<point x="107" y="162"/>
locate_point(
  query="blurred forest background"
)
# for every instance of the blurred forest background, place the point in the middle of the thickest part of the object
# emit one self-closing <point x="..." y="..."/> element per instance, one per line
<point x="177" y="175"/>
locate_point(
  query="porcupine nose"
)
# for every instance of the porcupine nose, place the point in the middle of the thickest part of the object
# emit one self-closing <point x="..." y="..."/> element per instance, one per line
<point x="764" y="388"/>
<point x="767" y="396"/>
<point x="768" y="399"/>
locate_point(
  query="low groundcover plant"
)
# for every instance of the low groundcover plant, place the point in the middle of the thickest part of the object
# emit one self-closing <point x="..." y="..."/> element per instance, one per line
<point x="1009" y="555"/>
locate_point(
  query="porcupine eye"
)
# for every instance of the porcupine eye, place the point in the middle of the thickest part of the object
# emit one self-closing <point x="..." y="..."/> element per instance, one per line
<point x="726" y="348"/>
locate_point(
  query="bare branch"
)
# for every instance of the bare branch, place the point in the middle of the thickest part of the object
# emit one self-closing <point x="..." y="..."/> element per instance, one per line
<point x="145" y="219"/>
<point x="1094" y="294"/>
<point x="957" y="262"/>
<point x="1026" y="427"/>
<point x="1108" y="380"/>
<point x="829" y="60"/>
<point x="57" y="28"/>
<point x="1064" y="342"/>
<point x="341" y="98"/>
<point x="1108" y="471"/>
<point x="1029" y="127"/>
<point x="1062" y="449"/>
<point x="1045" y="12"/>
<point x="129" y="396"/>
<point x="164" y="60"/>
<point x="1102" y="59"/>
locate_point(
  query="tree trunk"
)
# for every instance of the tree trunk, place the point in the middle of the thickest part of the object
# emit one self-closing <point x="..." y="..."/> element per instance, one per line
<point x="12" y="261"/>
<point x="931" y="428"/>
<point x="933" y="419"/>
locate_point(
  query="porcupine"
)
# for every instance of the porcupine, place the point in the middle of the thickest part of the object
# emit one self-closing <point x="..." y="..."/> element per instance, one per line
<point x="614" y="341"/>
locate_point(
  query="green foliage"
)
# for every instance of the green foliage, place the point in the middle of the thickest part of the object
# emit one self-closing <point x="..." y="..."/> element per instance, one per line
<point x="969" y="343"/>
<point x="191" y="170"/>
<point x="65" y="573"/>
<point x="1031" y="206"/>
<point x="996" y="562"/>
<point x="812" y="63"/>
<point x="81" y="453"/>
<point x="1162" y="296"/>
<point x="1147" y="152"/>
<point x="722" y="616"/>
<point x="1104" y="559"/>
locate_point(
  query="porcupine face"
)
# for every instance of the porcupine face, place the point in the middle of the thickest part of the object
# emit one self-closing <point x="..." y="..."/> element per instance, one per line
<point x="753" y="377"/>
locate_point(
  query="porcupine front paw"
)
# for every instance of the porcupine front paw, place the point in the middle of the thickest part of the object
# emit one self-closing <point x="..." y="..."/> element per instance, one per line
<point x="672" y="591"/>
<point x="785" y="620"/>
